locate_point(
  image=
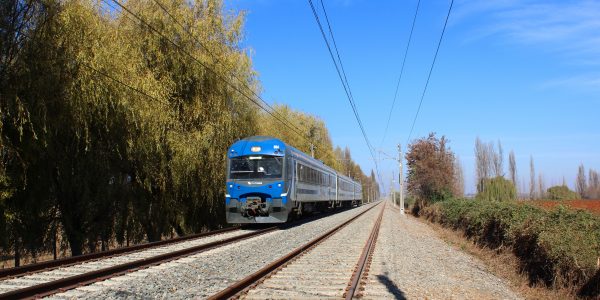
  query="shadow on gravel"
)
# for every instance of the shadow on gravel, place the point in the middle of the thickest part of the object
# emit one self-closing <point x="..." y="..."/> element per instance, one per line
<point x="391" y="286"/>
<point x="303" y="220"/>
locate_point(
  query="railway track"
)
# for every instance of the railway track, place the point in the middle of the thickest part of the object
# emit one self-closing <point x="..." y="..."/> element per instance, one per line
<point x="74" y="274"/>
<point x="331" y="265"/>
<point x="64" y="262"/>
<point x="48" y="278"/>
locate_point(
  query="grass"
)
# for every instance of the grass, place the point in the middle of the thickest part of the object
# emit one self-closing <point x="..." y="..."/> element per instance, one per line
<point x="556" y="248"/>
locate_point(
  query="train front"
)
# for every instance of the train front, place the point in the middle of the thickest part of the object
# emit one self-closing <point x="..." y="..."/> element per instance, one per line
<point x="256" y="187"/>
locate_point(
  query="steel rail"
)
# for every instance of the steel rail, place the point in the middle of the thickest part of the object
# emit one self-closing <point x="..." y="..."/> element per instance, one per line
<point x="247" y="282"/>
<point x="53" y="287"/>
<point x="68" y="261"/>
<point x="362" y="267"/>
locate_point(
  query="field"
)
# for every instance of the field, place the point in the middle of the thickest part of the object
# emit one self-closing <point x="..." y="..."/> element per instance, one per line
<point x="589" y="205"/>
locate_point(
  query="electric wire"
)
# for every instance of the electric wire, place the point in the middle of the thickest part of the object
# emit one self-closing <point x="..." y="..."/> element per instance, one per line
<point x="217" y="60"/>
<point x="345" y="80"/>
<point x="344" y="83"/>
<point x="387" y="125"/>
<point x="177" y="46"/>
<point x="430" y="71"/>
<point x="137" y="90"/>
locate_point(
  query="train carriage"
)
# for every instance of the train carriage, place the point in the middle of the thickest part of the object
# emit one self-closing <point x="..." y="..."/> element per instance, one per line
<point x="269" y="181"/>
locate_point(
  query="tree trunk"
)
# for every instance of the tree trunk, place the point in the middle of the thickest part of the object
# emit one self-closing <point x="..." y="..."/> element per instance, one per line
<point x="17" y="255"/>
<point x="54" y="248"/>
<point x="75" y="246"/>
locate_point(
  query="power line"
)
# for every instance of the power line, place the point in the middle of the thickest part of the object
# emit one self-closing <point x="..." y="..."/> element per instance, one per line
<point x="124" y="84"/>
<point x="217" y="60"/>
<point x="401" y="72"/>
<point x="430" y="71"/>
<point x="204" y="65"/>
<point x="344" y="82"/>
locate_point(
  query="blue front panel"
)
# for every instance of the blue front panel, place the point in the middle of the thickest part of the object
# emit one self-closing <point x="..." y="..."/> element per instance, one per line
<point x="267" y="191"/>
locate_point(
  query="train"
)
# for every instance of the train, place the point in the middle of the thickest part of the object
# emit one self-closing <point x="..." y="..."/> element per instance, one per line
<point x="269" y="181"/>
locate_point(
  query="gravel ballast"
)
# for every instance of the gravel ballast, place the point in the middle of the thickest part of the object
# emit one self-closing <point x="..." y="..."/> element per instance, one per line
<point x="410" y="261"/>
<point x="204" y="274"/>
<point x="324" y="271"/>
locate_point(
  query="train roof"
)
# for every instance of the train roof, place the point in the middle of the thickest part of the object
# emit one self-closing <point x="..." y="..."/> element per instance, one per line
<point x="265" y="145"/>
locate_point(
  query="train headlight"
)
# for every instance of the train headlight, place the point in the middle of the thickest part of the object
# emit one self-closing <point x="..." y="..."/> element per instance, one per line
<point x="279" y="185"/>
<point x="231" y="186"/>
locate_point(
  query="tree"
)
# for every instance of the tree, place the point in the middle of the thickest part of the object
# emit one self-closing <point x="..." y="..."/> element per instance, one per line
<point x="498" y="158"/>
<point x="459" y="179"/>
<point x="561" y="192"/>
<point x="593" y="185"/>
<point x="488" y="161"/>
<point x="107" y="126"/>
<point x="482" y="161"/>
<point x="430" y="167"/>
<point x="581" y="184"/>
<point x="496" y="189"/>
<point x="512" y="167"/>
<point x="531" y="179"/>
<point x="541" y="186"/>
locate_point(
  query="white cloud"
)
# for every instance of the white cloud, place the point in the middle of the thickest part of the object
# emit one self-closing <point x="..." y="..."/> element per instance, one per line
<point x="586" y="81"/>
<point x="568" y="28"/>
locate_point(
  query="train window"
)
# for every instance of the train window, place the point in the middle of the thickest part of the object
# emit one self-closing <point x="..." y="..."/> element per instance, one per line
<point x="256" y="167"/>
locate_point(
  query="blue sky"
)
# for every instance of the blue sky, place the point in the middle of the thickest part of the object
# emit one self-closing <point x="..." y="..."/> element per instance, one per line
<point x="526" y="73"/>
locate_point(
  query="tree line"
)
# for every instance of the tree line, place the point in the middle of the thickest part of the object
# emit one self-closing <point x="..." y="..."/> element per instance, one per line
<point x="115" y="122"/>
<point x="434" y="174"/>
<point x="490" y="173"/>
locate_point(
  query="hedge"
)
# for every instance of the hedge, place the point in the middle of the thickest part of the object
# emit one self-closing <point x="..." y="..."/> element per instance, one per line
<point x="559" y="248"/>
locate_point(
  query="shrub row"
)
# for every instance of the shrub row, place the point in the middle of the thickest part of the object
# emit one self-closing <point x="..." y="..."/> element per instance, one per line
<point x="559" y="248"/>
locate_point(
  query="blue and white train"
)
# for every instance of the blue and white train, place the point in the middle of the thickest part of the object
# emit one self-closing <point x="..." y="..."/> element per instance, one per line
<point x="269" y="181"/>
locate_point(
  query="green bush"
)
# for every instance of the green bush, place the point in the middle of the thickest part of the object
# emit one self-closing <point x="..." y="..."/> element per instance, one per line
<point x="558" y="248"/>
<point x="561" y="192"/>
<point x="496" y="189"/>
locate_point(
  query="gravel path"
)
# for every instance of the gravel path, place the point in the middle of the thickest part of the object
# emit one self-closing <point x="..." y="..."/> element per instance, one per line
<point x="324" y="271"/>
<point x="204" y="274"/>
<point x="410" y="261"/>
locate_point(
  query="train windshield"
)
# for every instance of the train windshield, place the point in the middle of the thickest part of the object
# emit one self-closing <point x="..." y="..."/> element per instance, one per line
<point x="256" y="167"/>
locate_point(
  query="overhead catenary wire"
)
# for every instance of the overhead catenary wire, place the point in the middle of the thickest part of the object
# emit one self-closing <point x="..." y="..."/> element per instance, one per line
<point x="196" y="60"/>
<point x="430" y="71"/>
<point x="344" y="82"/>
<point x="218" y="61"/>
<point x="345" y="79"/>
<point x="387" y="125"/>
<point x="137" y="90"/>
<point x="178" y="47"/>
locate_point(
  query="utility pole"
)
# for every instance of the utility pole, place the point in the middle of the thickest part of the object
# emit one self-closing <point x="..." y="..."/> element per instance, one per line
<point x="392" y="189"/>
<point x="312" y="150"/>
<point x="401" y="179"/>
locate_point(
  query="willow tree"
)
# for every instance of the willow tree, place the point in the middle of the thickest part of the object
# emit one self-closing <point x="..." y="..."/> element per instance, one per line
<point x="178" y="159"/>
<point x="121" y="131"/>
